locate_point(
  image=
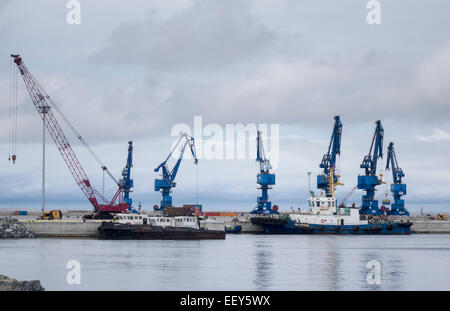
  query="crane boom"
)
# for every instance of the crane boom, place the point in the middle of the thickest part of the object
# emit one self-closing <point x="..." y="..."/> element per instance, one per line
<point x="167" y="182"/>
<point x="398" y="188"/>
<point x="43" y="104"/>
<point x="265" y="179"/>
<point x="329" y="160"/>
<point x="127" y="182"/>
<point x="391" y="164"/>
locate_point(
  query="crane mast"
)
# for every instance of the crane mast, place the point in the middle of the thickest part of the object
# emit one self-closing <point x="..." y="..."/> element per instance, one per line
<point x="398" y="189"/>
<point x="328" y="179"/>
<point x="43" y="104"/>
<point x="167" y="182"/>
<point x="126" y="182"/>
<point x="265" y="179"/>
<point x="370" y="180"/>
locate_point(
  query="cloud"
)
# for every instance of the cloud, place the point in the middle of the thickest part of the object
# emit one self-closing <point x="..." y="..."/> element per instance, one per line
<point x="3" y="27"/>
<point x="215" y="58"/>
<point x="436" y="135"/>
<point x="3" y="5"/>
<point x="205" y="36"/>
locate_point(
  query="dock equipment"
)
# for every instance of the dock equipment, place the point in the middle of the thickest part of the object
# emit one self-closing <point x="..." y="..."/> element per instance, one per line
<point x="328" y="179"/>
<point x="51" y="215"/>
<point x="398" y="189"/>
<point x="45" y="106"/>
<point x="167" y="182"/>
<point x="265" y="179"/>
<point x="370" y="180"/>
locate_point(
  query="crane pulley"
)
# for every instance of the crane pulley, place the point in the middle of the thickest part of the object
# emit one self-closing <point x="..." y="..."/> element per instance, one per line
<point x="43" y="102"/>
<point x="167" y="182"/>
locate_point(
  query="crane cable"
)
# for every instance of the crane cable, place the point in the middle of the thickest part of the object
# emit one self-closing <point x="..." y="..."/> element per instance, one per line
<point x="83" y="142"/>
<point x="13" y="113"/>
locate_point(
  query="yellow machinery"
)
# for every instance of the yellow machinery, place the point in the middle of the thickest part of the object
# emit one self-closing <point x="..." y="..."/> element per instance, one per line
<point x="51" y="215"/>
<point x="441" y="217"/>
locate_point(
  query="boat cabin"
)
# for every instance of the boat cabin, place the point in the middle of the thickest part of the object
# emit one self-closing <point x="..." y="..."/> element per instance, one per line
<point x="161" y="221"/>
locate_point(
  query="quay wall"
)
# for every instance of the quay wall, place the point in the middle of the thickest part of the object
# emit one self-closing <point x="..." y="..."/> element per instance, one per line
<point x="74" y="228"/>
<point x="62" y="229"/>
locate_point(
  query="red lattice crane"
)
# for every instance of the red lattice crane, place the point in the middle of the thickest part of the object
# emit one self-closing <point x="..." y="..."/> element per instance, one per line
<point x="43" y="103"/>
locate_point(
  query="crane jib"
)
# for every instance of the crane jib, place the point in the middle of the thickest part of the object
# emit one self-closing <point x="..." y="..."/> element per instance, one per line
<point x="43" y="103"/>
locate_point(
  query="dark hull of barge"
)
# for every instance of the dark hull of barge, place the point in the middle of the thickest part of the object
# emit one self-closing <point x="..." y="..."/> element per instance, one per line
<point x="116" y="231"/>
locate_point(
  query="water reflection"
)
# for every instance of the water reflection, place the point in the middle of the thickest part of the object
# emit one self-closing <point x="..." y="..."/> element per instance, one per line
<point x="392" y="271"/>
<point x="263" y="267"/>
<point x="241" y="262"/>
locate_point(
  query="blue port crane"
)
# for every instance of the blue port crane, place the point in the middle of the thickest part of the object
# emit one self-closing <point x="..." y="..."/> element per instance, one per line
<point x="398" y="189"/>
<point x="126" y="182"/>
<point x="370" y="180"/>
<point x="167" y="182"/>
<point x="329" y="161"/>
<point x="265" y="179"/>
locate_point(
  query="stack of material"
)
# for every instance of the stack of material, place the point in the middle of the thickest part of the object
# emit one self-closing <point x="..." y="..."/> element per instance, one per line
<point x="7" y="284"/>
<point x="178" y="211"/>
<point x="11" y="228"/>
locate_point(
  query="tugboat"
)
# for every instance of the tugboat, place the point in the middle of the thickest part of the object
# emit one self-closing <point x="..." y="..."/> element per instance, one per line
<point x="143" y="227"/>
<point x="324" y="217"/>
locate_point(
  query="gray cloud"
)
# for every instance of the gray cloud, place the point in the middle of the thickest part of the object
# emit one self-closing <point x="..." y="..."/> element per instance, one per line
<point x="216" y="59"/>
<point x="3" y="27"/>
<point x="208" y="35"/>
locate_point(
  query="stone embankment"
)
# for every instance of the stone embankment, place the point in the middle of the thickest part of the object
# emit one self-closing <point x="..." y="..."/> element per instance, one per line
<point x="11" y="228"/>
<point x="8" y="284"/>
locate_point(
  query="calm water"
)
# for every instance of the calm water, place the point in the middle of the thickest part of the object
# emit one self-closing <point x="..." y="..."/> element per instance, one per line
<point x="241" y="262"/>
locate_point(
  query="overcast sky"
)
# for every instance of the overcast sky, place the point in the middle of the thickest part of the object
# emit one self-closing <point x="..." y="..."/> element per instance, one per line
<point x="133" y="69"/>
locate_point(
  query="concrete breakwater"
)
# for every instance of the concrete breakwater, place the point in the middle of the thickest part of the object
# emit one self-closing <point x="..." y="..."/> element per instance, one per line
<point x="64" y="228"/>
<point x="8" y="284"/>
<point x="78" y="228"/>
<point x="89" y="229"/>
<point x="431" y="226"/>
<point x="11" y="228"/>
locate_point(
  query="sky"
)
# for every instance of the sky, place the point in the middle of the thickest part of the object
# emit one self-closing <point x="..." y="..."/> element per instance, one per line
<point x="134" y="70"/>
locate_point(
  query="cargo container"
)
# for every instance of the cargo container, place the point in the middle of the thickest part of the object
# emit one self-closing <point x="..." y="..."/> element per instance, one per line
<point x="20" y="213"/>
<point x="211" y="214"/>
<point x="228" y="214"/>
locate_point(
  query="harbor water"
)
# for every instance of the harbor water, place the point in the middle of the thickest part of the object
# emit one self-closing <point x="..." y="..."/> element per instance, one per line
<point x="240" y="262"/>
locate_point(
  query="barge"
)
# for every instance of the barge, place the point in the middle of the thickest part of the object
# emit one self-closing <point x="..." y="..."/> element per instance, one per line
<point x="143" y="227"/>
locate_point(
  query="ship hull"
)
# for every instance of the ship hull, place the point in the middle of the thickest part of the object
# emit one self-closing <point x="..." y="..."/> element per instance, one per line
<point x="117" y="231"/>
<point x="289" y="227"/>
